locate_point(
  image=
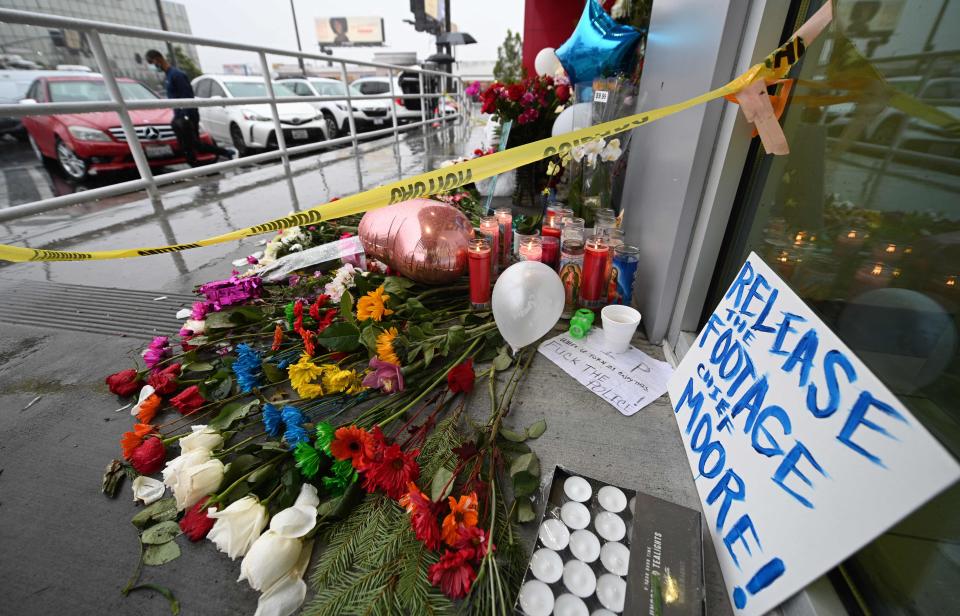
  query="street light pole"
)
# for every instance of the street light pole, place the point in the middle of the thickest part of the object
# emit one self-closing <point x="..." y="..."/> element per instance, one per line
<point x="171" y="56"/>
<point x="296" y="30"/>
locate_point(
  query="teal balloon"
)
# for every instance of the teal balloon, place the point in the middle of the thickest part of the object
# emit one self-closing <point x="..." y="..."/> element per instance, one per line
<point x="599" y="46"/>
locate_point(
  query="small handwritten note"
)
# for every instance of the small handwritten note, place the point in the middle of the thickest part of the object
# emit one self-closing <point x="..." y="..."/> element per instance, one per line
<point x="627" y="381"/>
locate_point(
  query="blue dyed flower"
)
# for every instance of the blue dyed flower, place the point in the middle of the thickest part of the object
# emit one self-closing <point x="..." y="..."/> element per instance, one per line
<point x="283" y="363"/>
<point x="295" y="432"/>
<point x="271" y="420"/>
<point x="248" y="368"/>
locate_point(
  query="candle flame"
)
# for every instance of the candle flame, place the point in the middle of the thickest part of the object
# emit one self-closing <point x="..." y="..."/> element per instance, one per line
<point x="951" y="281"/>
<point x="852" y="234"/>
<point x="877" y="269"/>
<point x="891" y="248"/>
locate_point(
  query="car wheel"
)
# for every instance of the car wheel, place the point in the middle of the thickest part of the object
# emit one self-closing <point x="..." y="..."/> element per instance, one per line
<point x="71" y="164"/>
<point x="236" y="136"/>
<point x="332" y="131"/>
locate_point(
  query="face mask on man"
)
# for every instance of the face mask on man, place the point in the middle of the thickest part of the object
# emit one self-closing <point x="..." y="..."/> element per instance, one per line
<point x="156" y="68"/>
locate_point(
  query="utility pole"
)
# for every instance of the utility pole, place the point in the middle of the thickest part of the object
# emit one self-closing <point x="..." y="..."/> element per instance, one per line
<point x="296" y="30"/>
<point x="171" y="56"/>
<point x="446" y="25"/>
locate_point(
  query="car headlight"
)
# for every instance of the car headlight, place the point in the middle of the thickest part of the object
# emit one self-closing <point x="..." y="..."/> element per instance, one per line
<point x="85" y="133"/>
<point x="319" y="116"/>
<point x="253" y="116"/>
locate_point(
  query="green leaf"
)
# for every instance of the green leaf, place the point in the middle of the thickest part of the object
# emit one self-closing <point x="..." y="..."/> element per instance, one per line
<point x="163" y="509"/>
<point x="415" y="307"/>
<point x="396" y="286"/>
<point x="502" y="361"/>
<point x="525" y="484"/>
<point x="527" y="463"/>
<point x="525" y="512"/>
<point x="160" y="533"/>
<point x="442" y="484"/>
<point x="368" y="337"/>
<point x="510" y="435"/>
<point x="428" y="354"/>
<point x="260" y="473"/>
<point x="456" y="337"/>
<point x="156" y="555"/>
<point x="163" y="590"/>
<point x="238" y="467"/>
<point x="245" y="314"/>
<point x="512" y="447"/>
<point x="222" y="389"/>
<point x="273" y="373"/>
<point x="112" y="477"/>
<point x="536" y="429"/>
<point x="198" y="366"/>
<point x="346" y="307"/>
<point x="219" y="320"/>
<point x="196" y="341"/>
<point x="343" y="337"/>
<point x="230" y="413"/>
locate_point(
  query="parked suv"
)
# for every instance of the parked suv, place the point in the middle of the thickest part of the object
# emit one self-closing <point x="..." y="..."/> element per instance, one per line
<point x="335" y="113"/>
<point x="381" y="85"/>
<point x="251" y="126"/>
<point x="91" y="143"/>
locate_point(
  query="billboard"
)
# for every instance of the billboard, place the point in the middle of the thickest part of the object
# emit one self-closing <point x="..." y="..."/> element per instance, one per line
<point x="349" y="31"/>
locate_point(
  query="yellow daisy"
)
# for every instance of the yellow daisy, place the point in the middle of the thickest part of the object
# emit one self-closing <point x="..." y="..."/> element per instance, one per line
<point x="373" y="305"/>
<point x="385" y="350"/>
<point x="304" y="376"/>
<point x="336" y="380"/>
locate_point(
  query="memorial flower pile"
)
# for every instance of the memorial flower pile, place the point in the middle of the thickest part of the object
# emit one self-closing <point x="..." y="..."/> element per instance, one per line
<point x="332" y="406"/>
<point x="532" y="104"/>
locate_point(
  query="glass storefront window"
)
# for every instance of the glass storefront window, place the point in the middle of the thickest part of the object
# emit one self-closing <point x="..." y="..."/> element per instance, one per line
<point x="863" y="220"/>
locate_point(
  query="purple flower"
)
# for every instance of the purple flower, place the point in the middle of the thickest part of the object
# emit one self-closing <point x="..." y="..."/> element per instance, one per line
<point x="385" y="376"/>
<point x="527" y="98"/>
<point x="293" y="280"/>
<point x="200" y="310"/>
<point x="235" y="290"/>
<point x="158" y="350"/>
<point x="252" y="260"/>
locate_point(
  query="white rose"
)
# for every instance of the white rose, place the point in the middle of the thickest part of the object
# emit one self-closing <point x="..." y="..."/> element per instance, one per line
<point x="201" y="438"/>
<point x="192" y="476"/>
<point x="147" y="489"/>
<point x="238" y="526"/>
<point x="286" y="594"/>
<point x="196" y="326"/>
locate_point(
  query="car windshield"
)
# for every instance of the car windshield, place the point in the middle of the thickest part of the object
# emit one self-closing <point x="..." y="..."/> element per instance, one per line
<point x="83" y="90"/>
<point x="256" y="88"/>
<point x="329" y="88"/>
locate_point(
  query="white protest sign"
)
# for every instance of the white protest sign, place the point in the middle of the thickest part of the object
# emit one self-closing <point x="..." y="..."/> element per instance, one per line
<point x="800" y="454"/>
<point x="628" y="381"/>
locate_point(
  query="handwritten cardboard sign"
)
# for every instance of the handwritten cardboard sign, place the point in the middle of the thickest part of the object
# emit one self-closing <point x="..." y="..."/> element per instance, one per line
<point x="800" y="454"/>
<point x="628" y="381"/>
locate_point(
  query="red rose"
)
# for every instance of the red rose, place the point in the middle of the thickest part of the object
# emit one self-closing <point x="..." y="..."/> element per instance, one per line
<point x="124" y="383"/>
<point x="164" y="382"/>
<point x="188" y="400"/>
<point x="549" y="80"/>
<point x="515" y="91"/>
<point x="460" y="378"/>
<point x="148" y="458"/>
<point x="489" y="106"/>
<point x="196" y="523"/>
<point x="563" y="93"/>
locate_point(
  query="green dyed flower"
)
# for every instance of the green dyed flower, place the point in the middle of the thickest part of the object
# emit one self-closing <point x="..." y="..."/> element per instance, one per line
<point x="288" y="313"/>
<point x="324" y="437"/>
<point x="308" y="459"/>
<point x="343" y="476"/>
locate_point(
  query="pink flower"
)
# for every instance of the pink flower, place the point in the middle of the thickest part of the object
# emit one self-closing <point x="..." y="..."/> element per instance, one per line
<point x="158" y="350"/>
<point x="200" y="310"/>
<point x="385" y="376"/>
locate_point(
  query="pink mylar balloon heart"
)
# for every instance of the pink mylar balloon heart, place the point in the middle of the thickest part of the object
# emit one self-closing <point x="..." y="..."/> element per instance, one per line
<point x="423" y="240"/>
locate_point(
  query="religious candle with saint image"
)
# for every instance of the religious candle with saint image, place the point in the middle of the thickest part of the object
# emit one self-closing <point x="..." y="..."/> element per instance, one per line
<point x="571" y="265"/>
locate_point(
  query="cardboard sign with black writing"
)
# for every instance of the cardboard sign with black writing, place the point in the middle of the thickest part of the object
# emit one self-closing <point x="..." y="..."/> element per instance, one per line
<point x="800" y="454"/>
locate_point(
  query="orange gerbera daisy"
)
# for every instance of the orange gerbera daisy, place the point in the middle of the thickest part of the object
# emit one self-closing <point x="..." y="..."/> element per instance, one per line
<point x="277" y="338"/>
<point x="373" y="305"/>
<point x="385" y="350"/>
<point x="131" y="440"/>
<point x="149" y="408"/>
<point x="463" y="514"/>
<point x="352" y="443"/>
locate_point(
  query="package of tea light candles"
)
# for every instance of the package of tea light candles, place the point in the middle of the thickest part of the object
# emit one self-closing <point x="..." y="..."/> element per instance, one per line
<point x="603" y="549"/>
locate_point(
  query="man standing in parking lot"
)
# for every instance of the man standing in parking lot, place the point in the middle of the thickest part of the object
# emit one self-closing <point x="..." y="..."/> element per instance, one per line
<point x="186" y="121"/>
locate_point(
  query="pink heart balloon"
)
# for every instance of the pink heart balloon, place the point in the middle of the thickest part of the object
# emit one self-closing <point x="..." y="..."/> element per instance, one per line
<point x="423" y="240"/>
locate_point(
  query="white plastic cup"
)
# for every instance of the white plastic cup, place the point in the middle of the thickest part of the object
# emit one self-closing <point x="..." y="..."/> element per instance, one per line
<point x="619" y="324"/>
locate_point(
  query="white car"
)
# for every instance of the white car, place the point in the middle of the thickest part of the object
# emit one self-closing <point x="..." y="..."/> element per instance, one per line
<point x="335" y="113"/>
<point x="251" y="126"/>
<point x="381" y="85"/>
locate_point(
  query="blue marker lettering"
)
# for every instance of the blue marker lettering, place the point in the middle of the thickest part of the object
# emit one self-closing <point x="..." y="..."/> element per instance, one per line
<point x="858" y="418"/>
<point x="789" y="465"/>
<point x="754" y="292"/>
<point x="803" y="354"/>
<point x="737" y="533"/>
<point x="721" y="459"/>
<point x="773" y="448"/>
<point x="712" y="326"/>
<point x="695" y="402"/>
<point x="730" y="494"/>
<point x="831" y="361"/>
<point x="783" y="328"/>
<point x="752" y="400"/>
<point x="744" y="278"/>
<point x="759" y="324"/>
<point x="767" y="575"/>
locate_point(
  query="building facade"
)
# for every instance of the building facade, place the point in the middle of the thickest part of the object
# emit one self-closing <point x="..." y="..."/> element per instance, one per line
<point x="48" y="48"/>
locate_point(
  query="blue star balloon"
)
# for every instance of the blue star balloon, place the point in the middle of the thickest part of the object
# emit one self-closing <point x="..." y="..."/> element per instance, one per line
<point x="598" y="46"/>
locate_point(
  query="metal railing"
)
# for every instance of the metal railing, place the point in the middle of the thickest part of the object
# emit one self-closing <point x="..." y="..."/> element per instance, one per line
<point x="150" y="183"/>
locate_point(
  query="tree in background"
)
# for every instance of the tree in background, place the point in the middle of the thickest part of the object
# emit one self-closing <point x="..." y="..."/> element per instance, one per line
<point x="185" y="63"/>
<point x="509" y="67"/>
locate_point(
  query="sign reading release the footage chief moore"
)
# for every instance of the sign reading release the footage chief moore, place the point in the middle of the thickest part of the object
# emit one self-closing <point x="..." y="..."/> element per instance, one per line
<point x="800" y="454"/>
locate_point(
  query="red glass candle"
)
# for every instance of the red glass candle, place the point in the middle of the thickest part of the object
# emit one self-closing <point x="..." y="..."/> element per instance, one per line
<point x="490" y="229"/>
<point x="551" y="251"/>
<point x="505" y="221"/>
<point x="479" y="256"/>
<point x="531" y="249"/>
<point x="594" y="264"/>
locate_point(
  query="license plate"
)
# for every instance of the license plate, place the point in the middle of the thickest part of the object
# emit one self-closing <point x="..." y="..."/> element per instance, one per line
<point x="158" y="151"/>
<point x="378" y="121"/>
<point x="300" y="134"/>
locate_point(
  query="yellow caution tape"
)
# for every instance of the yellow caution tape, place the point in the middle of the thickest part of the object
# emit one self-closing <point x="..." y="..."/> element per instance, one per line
<point x="775" y="66"/>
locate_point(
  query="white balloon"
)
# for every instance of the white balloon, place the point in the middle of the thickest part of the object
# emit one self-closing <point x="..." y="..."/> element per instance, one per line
<point x="546" y="62"/>
<point x="527" y="302"/>
<point x="573" y="118"/>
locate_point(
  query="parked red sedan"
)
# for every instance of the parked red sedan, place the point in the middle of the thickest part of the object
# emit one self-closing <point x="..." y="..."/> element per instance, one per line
<point x="92" y="143"/>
